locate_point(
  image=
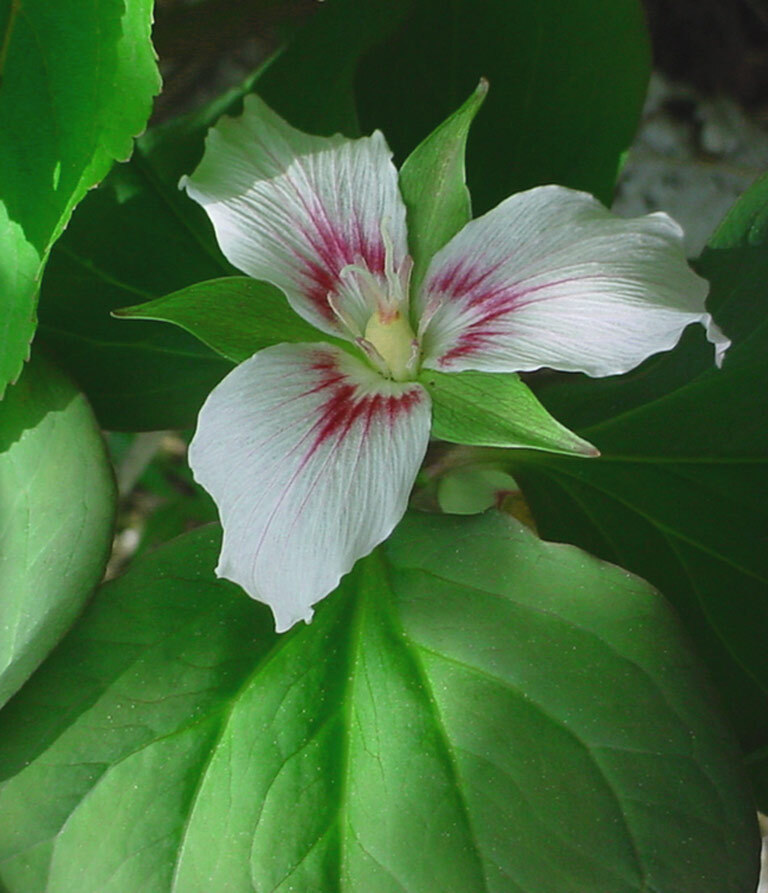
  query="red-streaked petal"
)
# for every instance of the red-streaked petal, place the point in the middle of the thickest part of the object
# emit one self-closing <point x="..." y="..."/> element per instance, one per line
<point x="310" y="457"/>
<point x="294" y="210"/>
<point x="552" y="278"/>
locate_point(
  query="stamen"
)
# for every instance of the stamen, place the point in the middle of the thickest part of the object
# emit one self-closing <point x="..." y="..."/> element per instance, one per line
<point x="433" y="305"/>
<point x="413" y="360"/>
<point x="405" y="276"/>
<point x="374" y="356"/>
<point x="344" y="318"/>
<point x="368" y="285"/>
<point x="397" y="286"/>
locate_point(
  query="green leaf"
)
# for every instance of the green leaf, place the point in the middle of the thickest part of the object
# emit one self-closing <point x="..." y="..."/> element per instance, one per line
<point x="472" y="710"/>
<point x="677" y="495"/>
<point x="135" y="238"/>
<point x="495" y="409"/>
<point x="235" y="316"/>
<point x="468" y="491"/>
<point x="567" y="82"/>
<point x="76" y="88"/>
<point x="132" y="240"/>
<point x="56" y="511"/>
<point x="432" y="183"/>
<point x="567" y="86"/>
<point x="311" y="84"/>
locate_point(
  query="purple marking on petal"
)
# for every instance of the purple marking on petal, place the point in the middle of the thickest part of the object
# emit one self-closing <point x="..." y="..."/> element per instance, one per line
<point x="493" y="304"/>
<point x="461" y="279"/>
<point x="331" y="251"/>
<point x="346" y="405"/>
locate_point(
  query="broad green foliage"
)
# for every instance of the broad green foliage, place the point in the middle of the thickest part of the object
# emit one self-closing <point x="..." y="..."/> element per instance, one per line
<point x="134" y="239"/>
<point x="128" y="243"/>
<point x="488" y="409"/>
<point x="235" y="316"/>
<point x="76" y="88"/>
<point x="678" y="493"/>
<point x="474" y="709"/>
<point x="567" y="82"/>
<point x="56" y="510"/>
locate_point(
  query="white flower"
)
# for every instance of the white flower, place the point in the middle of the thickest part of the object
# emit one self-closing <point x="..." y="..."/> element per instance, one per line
<point x="309" y="452"/>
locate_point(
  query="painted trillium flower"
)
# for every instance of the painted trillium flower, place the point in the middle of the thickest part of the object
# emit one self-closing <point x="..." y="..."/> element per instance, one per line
<point x="310" y="451"/>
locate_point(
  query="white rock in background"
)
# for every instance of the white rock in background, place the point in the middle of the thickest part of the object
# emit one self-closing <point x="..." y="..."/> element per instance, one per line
<point x="692" y="158"/>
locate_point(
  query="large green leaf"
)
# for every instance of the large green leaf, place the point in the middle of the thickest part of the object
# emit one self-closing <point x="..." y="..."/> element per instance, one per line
<point x="77" y="85"/>
<point x="472" y="710"/>
<point x="678" y="494"/>
<point x="56" y="512"/>
<point x="567" y="81"/>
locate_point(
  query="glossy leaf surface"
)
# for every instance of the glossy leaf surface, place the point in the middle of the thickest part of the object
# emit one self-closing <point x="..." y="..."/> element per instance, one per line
<point x="472" y="710"/>
<point x="76" y="88"/>
<point x="677" y="494"/>
<point x="56" y="513"/>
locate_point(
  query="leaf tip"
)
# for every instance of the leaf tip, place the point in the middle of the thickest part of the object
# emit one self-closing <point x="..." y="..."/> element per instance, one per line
<point x="126" y="312"/>
<point x="588" y="450"/>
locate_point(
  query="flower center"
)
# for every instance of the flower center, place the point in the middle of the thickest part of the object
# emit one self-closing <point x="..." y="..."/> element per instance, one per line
<point x="388" y="340"/>
<point x="390" y="335"/>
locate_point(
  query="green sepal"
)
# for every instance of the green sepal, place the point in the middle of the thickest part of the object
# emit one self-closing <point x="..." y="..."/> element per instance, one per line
<point x="236" y="316"/>
<point x="433" y="185"/>
<point x="495" y="409"/>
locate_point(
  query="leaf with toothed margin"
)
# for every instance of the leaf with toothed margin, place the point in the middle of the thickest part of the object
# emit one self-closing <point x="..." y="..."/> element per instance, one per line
<point x="472" y="710"/>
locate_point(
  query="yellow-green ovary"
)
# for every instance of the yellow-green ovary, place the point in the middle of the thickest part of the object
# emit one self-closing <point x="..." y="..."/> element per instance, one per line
<point x="393" y="338"/>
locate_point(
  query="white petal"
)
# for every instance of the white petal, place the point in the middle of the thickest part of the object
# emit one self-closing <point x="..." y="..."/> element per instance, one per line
<point x="294" y="209"/>
<point x="551" y="278"/>
<point x="310" y="457"/>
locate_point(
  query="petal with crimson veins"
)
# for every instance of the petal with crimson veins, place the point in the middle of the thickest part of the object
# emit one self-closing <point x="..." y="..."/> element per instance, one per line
<point x="310" y="457"/>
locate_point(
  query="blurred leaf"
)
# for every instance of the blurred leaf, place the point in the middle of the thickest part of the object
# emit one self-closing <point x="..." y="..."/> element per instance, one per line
<point x="473" y="709"/>
<point x="567" y="82"/>
<point x="468" y="491"/>
<point x="678" y="493"/>
<point x="76" y="87"/>
<point x="57" y="506"/>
